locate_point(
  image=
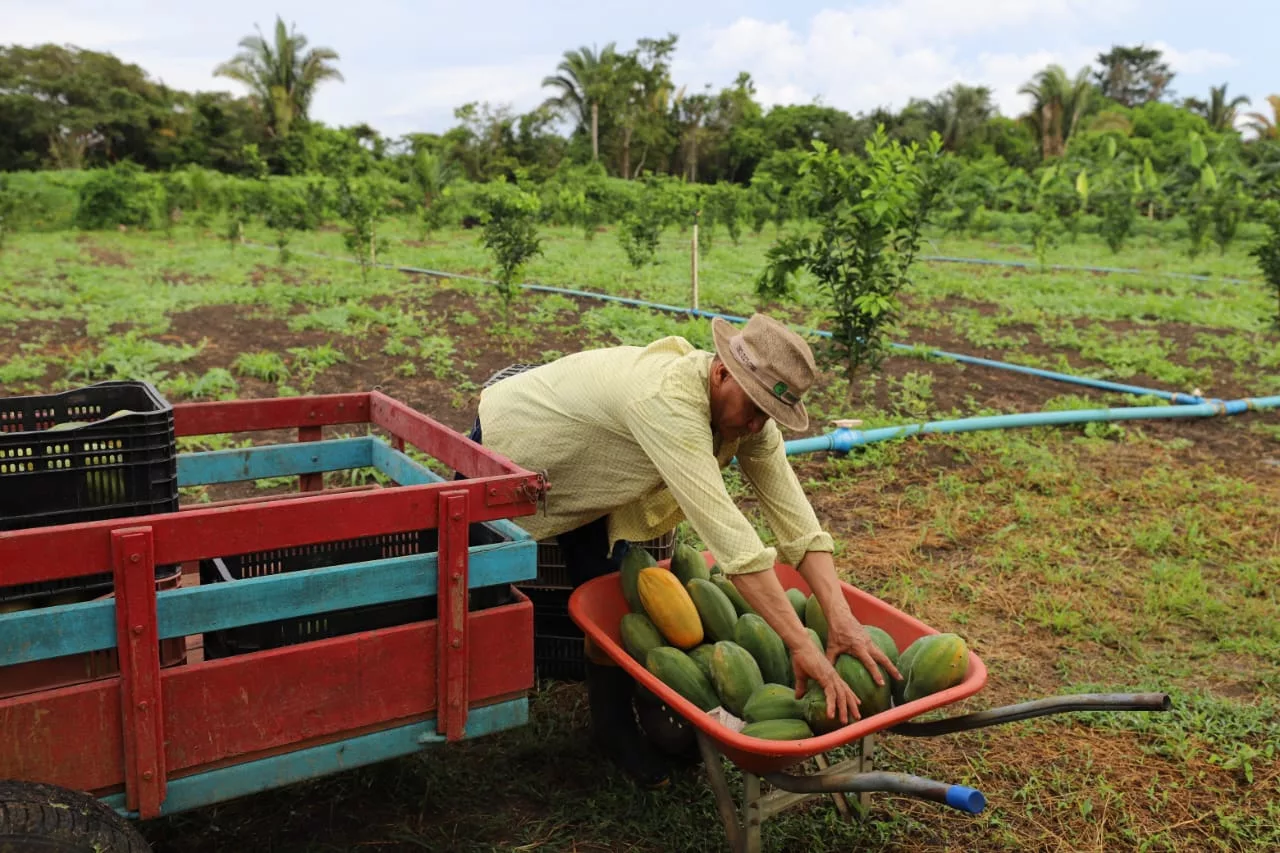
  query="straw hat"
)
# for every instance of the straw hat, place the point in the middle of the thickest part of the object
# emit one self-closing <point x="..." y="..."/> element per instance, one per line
<point x="773" y="365"/>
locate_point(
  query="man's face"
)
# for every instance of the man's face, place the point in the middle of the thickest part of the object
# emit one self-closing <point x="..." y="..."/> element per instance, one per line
<point x="733" y="414"/>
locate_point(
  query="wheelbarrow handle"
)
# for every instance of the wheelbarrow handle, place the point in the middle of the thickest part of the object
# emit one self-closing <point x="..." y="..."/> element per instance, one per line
<point x="1037" y="708"/>
<point x="960" y="797"/>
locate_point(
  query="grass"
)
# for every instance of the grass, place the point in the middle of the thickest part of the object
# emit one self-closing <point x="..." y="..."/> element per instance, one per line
<point x="1104" y="557"/>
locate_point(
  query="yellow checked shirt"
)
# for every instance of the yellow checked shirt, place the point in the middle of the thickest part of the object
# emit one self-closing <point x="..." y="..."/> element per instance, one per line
<point x="626" y="431"/>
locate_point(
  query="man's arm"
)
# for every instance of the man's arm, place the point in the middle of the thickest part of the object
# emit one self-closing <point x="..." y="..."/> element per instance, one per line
<point x="844" y="632"/>
<point x="806" y="546"/>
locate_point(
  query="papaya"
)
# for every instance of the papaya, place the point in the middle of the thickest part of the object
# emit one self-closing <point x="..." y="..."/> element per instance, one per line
<point x="904" y="668"/>
<point x="735" y="676"/>
<point x="640" y="635"/>
<point x="731" y="592"/>
<point x="687" y="564"/>
<point x="773" y="702"/>
<point x="871" y="699"/>
<point x="815" y="711"/>
<point x="814" y="618"/>
<point x="881" y="638"/>
<point x="636" y="558"/>
<point x="669" y="607"/>
<point x="778" y="730"/>
<point x="714" y="608"/>
<point x="941" y="662"/>
<point x="702" y="657"/>
<point x="817" y="641"/>
<point x="764" y="644"/>
<point x="716" y="570"/>
<point x="798" y="601"/>
<point x="677" y="670"/>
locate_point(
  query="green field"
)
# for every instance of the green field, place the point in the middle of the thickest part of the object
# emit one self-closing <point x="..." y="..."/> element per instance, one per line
<point x="1108" y="557"/>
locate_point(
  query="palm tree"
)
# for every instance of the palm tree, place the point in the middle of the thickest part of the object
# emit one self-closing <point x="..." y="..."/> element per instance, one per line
<point x="1218" y="111"/>
<point x="1058" y="102"/>
<point x="583" y="82"/>
<point x="1267" y="127"/>
<point x="281" y="74"/>
<point x="958" y="113"/>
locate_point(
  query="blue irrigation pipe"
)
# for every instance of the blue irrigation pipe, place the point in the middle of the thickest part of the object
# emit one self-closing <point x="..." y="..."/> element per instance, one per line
<point x="845" y="439"/>
<point x="944" y="259"/>
<point x="1176" y="397"/>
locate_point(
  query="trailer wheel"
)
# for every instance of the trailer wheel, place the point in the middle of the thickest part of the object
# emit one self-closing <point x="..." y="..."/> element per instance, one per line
<point x="40" y="818"/>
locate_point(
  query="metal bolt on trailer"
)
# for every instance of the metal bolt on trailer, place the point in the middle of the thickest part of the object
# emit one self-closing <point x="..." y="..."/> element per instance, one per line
<point x="151" y="740"/>
<point x="598" y="606"/>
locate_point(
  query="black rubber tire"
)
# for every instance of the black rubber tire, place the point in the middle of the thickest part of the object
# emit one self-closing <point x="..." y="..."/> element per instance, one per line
<point x="40" y="818"/>
<point x="669" y="733"/>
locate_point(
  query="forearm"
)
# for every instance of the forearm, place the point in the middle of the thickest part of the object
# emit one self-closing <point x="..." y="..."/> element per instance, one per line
<point x="764" y="592"/>
<point x="819" y="571"/>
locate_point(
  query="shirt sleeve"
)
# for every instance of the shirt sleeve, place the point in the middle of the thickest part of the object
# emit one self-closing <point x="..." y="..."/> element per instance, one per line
<point x="763" y="461"/>
<point x="672" y="427"/>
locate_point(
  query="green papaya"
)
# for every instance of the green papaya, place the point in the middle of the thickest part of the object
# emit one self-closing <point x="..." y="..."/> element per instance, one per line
<point x="872" y="699"/>
<point x="941" y="662"/>
<point x="881" y="638"/>
<point x="798" y="601"/>
<point x="773" y="702"/>
<point x="731" y="592"/>
<point x="687" y="564"/>
<point x="764" y="644"/>
<point x="633" y="562"/>
<point x="778" y="730"/>
<point x="677" y="670"/>
<point x="640" y="636"/>
<point x="735" y="676"/>
<point x="716" y="611"/>
<point x="814" y="618"/>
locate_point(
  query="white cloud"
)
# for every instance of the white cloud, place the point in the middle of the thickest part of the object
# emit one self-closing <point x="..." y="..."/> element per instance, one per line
<point x="882" y="55"/>
<point x="1195" y="61"/>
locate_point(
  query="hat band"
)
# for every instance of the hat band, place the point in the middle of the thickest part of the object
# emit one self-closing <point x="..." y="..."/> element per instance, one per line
<point x="774" y="385"/>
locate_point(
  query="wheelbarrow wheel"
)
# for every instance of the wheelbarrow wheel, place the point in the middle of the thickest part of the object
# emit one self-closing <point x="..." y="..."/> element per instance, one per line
<point x="40" y="818"/>
<point x="670" y="733"/>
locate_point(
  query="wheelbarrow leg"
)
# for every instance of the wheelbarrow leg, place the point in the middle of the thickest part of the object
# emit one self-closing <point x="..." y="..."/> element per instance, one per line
<point x="842" y="802"/>
<point x="720" y="788"/>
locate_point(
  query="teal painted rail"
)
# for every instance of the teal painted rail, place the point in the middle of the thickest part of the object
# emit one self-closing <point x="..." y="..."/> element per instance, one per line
<point x="210" y="467"/>
<point x="90" y="626"/>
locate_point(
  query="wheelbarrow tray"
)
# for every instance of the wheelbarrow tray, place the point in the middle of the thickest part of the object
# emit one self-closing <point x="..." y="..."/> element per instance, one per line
<point x="598" y="606"/>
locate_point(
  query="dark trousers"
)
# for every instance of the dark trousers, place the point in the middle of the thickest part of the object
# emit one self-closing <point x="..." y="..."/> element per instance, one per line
<point x="585" y="549"/>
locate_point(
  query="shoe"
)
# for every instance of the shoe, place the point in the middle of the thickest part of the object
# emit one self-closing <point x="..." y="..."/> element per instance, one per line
<point x="614" y="730"/>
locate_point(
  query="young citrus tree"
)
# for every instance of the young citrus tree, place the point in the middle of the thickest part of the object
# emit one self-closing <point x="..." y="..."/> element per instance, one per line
<point x="870" y="212"/>
<point x="510" y="233"/>
<point x="1268" y="255"/>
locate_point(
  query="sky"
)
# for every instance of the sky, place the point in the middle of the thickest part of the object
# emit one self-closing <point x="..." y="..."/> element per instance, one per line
<point x="407" y="65"/>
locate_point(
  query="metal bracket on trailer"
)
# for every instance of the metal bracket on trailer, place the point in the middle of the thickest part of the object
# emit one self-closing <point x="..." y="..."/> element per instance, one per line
<point x="451" y="616"/>
<point x="138" y="642"/>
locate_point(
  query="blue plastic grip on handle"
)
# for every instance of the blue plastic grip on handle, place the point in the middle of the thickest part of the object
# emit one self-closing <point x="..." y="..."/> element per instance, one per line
<point x="966" y="799"/>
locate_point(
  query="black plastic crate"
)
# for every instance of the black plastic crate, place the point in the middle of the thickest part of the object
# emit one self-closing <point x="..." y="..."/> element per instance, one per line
<point x="106" y="468"/>
<point x="303" y="629"/>
<point x="554" y="574"/>
<point x="558" y="650"/>
<point x="65" y="458"/>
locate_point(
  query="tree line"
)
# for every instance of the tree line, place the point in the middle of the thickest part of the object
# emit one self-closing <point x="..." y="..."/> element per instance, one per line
<point x="66" y="108"/>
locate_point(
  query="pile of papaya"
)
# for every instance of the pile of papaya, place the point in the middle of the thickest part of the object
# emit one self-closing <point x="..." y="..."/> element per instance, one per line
<point x="694" y="631"/>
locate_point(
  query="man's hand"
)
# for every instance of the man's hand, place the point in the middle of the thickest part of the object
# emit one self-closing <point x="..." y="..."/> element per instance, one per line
<point x="809" y="664"/>
<point x="845" y="635"/>
<point x="764" y="593"/>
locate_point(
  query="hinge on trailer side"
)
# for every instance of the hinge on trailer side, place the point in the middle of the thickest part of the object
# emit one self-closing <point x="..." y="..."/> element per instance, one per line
<point x="531" y="490"/>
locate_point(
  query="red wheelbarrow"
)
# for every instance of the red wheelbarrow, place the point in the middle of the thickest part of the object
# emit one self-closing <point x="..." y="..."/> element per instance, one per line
<point x="598" y="606"/>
